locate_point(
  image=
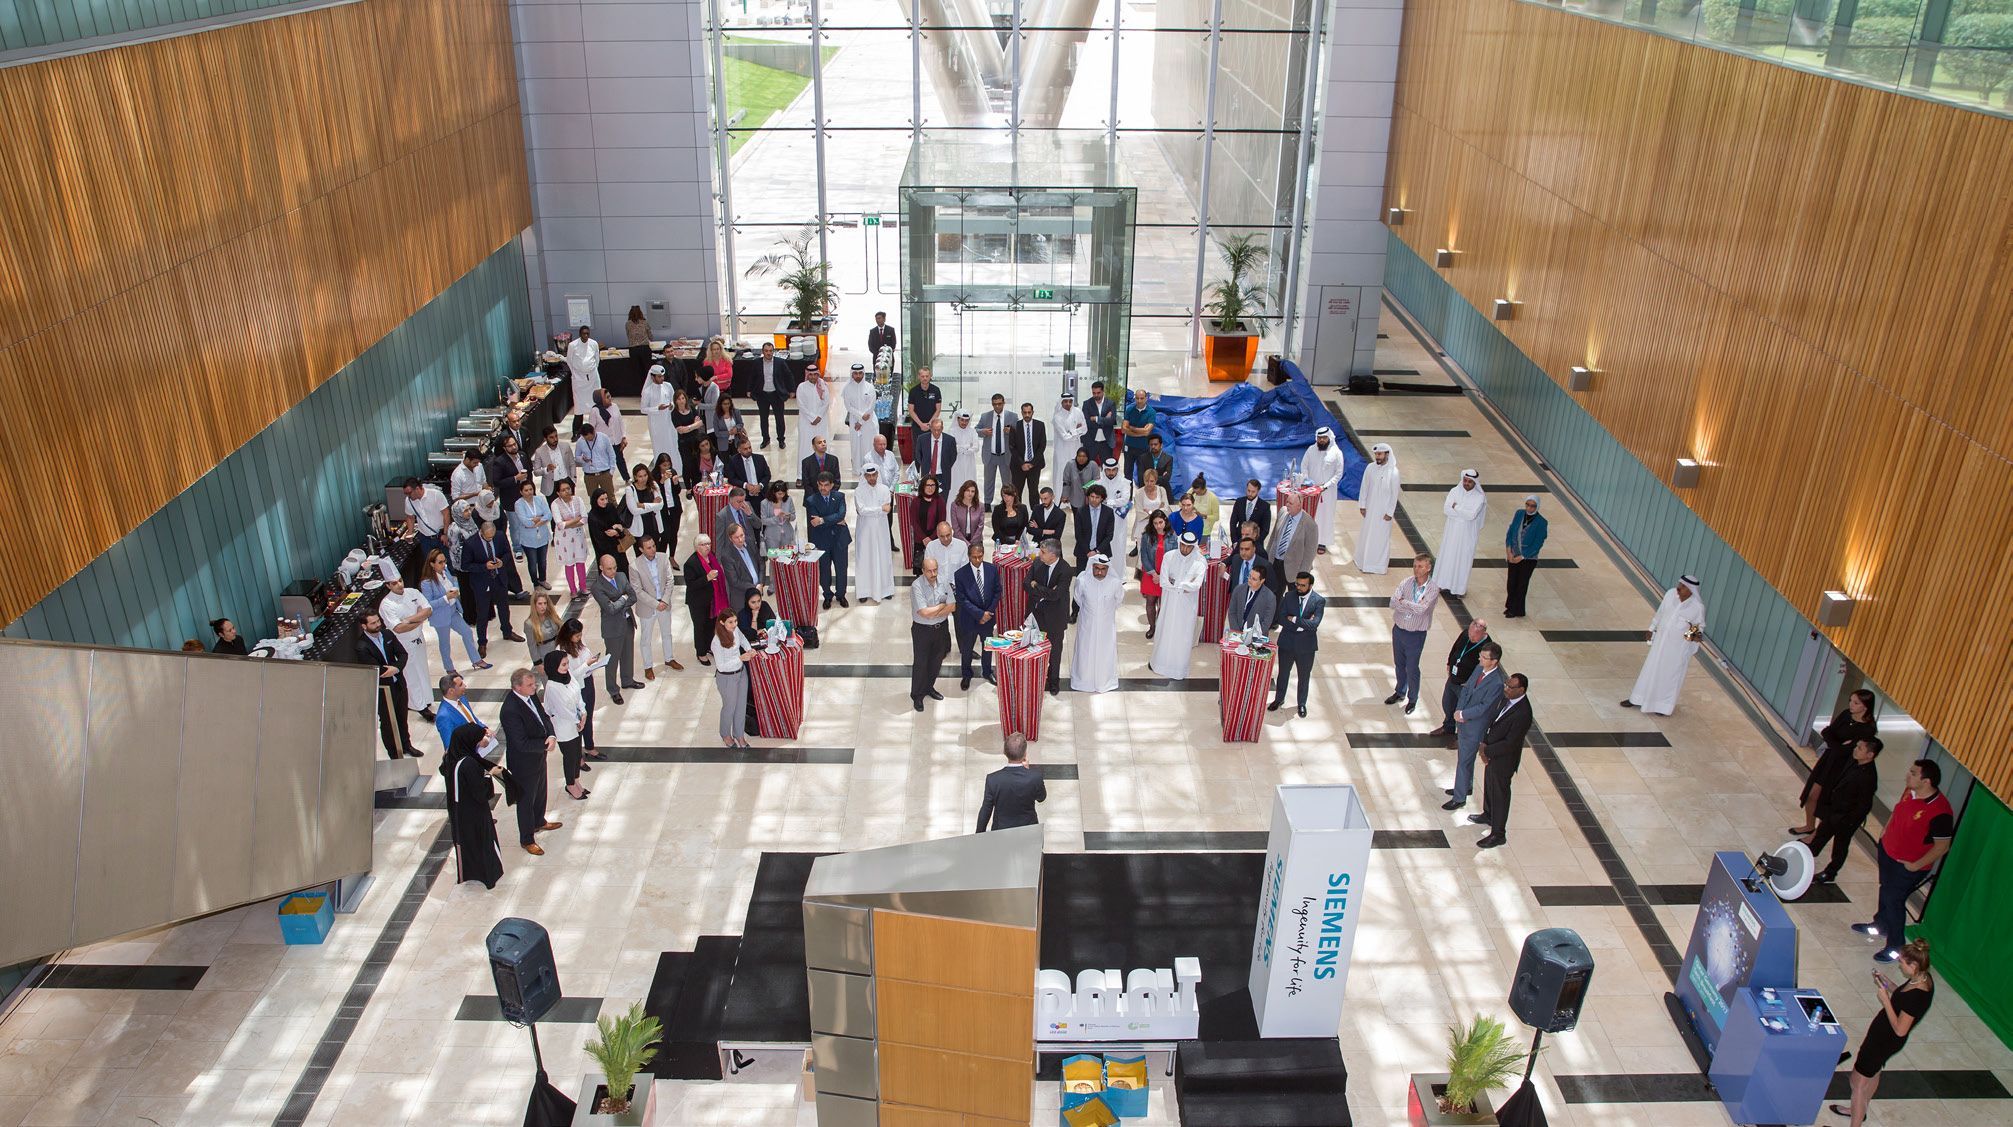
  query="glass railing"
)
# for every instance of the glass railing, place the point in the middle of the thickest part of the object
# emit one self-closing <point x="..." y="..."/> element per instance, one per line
<point x="1957" y="51"/>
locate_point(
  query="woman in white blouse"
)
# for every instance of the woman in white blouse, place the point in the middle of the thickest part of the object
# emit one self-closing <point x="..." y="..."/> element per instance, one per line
<point x="730" y="676"/>
<point x="569" y="537"/>
<point x="1149" y="496"/>
<point x="563" y="705"/>
<point x="646" y="506"/>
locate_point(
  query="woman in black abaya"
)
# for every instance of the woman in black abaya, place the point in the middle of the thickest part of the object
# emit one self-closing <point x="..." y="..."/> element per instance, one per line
<point x="469" y="791"/>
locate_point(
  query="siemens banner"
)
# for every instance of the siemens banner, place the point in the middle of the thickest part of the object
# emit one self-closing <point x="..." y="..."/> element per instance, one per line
<point x="1315" y="864"/>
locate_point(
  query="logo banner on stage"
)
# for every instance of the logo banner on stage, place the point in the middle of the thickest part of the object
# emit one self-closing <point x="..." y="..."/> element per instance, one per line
<point x="1308" y="908"/>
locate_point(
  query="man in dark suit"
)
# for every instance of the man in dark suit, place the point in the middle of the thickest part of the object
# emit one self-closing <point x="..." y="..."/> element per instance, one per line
<point x="1012" y="791"/>
<point x="882" y="335"/>
<point x="977" y="587"/>
<point x="936" y="454"/>
<point x="748" y="469"/>
<point x="1100" y="420"/>
<point x="1252" y="603"/>
<point x="1047" y="586"/>
<point x="1502" y="751"/>
<point x="1096" y="527"/>
<point x="527" y="740"/>
<point x="1238" y="567"/>
<point x="617" y="599"/>
<point x="825" y="510"/>
<point x="1299" y="621"/>
<point x="1047" y="519"/>
<point x="1027" y="450"/>
<point x="740" y="566"/>
<point x="377" y="646"/>
<point x="815" y="464"/>
<point x="1462" y="657"/>
<point x="1481" y="698"/>
<point x="773" y="385"/>
<point x="1162" y="463"/>
<point x="1252" y="507"/>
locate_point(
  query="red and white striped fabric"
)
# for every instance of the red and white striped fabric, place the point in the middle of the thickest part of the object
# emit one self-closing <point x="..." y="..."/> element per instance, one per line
<point x="1023" y="674"/>
<point x="777" y="681"/>
<point x="1215" y="598"/>
<point x="905" y="533"/>
<point x="1246" y="680"/>
<point x="1013" y="590"/>
<point x="796" y="584"/>
<point x="1310" y="498"/>
<point x="711" y="499"/>
<point x="905" y="443"/>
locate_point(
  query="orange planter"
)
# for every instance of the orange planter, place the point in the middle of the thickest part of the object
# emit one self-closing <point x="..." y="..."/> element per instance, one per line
<point x="1230" y="356"/>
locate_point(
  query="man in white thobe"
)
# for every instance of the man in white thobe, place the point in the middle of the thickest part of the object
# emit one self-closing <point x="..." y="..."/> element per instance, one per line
<point x="1093" y="667"/>
<point x="966" y="436"/>
<point x="861" y="427"/>
<point x="1674" y="637"/>
<point x="1467" y="509"/>
<point x="1181" y="578"/>
<point x="657" y="397"/>
<point x="583" y="359"/>
<point x="1323" y="465"/>
<point x="873" y="549"/>
<point x="946" y="549"/>
<point x="1117" y="490"/>
<point x="405" y="613"/>
<point x="1066" y="431"/>
<point x="814" y="407"/>
<point x="1377" y="504"/>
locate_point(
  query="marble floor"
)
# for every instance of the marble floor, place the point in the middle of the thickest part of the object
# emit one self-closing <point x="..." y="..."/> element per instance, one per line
<point x="665" y="852"/>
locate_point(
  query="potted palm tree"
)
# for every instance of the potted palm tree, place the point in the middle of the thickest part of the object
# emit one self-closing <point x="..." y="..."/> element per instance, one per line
<point x="1480" y="1059"/>
<point x="1238" y="310"/>
<point x="621" y="1094"/>
<point x="807" y="283"/>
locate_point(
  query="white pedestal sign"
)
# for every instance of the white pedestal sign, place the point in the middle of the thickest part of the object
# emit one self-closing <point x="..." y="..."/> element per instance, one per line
<point x="1308" y="907"/>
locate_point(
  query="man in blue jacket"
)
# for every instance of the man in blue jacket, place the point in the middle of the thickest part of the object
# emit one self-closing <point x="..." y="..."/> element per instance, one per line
<point x="1521" y="545"/>
<point x="977" y="587"/>
<point x="1299" y="623"/>
<point x="826" y="510"/>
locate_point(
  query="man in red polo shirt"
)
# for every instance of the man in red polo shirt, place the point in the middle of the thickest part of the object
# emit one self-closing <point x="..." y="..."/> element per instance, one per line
<point x="1917" y="837"/>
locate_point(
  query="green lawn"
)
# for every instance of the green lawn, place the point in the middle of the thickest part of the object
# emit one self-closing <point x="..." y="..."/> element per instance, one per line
<point x="757" y="93"/>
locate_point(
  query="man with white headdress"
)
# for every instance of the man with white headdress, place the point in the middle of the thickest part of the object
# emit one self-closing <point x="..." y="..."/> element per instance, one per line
<point x="1117" y="489"/>
<point x="873" y="547"/>
<point x="814" y="407"/>
<point x="1467" y="510"/>
<point x="1675" y="633"/>
<point x="1094" y="668"/>
<point x="1181" y="578"/>
<point x="857" y="397"/>
<point x="1066" y="430"/>
<point x="656" y="400"/>
<point x="966" y="437"/>
<point x="1322" y="465"/>
<point x="1377" y="504"/>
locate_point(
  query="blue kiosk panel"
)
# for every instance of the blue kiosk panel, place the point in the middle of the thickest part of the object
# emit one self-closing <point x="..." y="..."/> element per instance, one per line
<point x="1740" y="938"/>
<point x="1776" y="1055"/>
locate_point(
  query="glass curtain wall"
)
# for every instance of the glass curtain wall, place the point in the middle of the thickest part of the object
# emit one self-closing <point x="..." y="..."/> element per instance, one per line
<point x="817" y="104"/>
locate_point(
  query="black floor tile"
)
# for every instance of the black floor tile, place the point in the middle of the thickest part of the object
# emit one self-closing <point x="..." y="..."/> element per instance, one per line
<point x="1058" y="772"/>
<point x="1688" y="895"/>
<point x="785" y="753"/>
<point x="1607" y="739"/>
<point x="1393" y="739"/>
<point x="1189" y="841"/>
<point x="399" y="800"/>
<point x="1690" y="1087"/>
<point x="1363" y="602"/>
<point x="101" y="976"/>
<point x="1576" y="896"/>
<point x="1394" y="371"/>
<point x="569" y="1011"/>
<point x="1408" y="839"/>
<point x="1591" y="635"/>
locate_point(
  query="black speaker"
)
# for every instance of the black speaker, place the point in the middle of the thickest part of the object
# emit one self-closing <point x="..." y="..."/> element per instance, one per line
<point x="520" y="959"/>
<point x="1552" y="978"/>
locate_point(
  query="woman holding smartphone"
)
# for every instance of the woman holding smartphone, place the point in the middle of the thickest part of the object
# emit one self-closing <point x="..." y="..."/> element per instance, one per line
<point x="1902" y="1005"/>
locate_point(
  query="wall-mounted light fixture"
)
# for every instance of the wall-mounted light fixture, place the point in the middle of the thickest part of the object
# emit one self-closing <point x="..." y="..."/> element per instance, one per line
<point x="1582" y="379"/>
<point x="1506" y="310"/>
<point x="1685" y="476"/>
<point x="1395" y="216"/>
<point x="1835" y="609"/>
<point x="1444" y="258"/>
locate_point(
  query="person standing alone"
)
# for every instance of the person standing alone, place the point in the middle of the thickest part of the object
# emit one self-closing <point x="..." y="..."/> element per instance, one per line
<point x="1521" y="545"/>
<point x="1012" y="791"/>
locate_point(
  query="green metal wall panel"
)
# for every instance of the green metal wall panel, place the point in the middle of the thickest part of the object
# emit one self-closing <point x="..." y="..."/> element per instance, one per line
<point x="1756" y="629"/>
<point x="290" y="503"/>
<point x="30" y="24"/>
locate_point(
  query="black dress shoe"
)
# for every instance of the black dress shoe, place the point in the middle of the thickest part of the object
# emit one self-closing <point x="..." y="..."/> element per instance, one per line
<point x="965" y="682"/>
<point x="1628" y="704"/>
<point x="429" y="715"/>
<point x="1478" y="819"/>
<point x="934" y="695"/>
<point x="828" y="602"/>
<point x="1274" y="706"/>
<point x="1410" y="705"/>
<point x="1824" y="878"/>
<point x="1442" y="730"/>
<point x="1449" y="790"/>
<point x="843" y="602"/>
<point x="615" y="698"/>
<point x="1491" y="842"/>
<point x="1303" y="710"/>
<point x="632" y="684"/>
<point x="1394" y="698"/>
<point x="918" y="702"/>
<point x="992" y="680"/>
<point x="514" y="637"/>
<point x="1453" y="804"/>
<point x="585" y="766"/>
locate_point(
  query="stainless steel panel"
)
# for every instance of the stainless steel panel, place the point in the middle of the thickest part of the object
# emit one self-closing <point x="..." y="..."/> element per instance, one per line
<point x="220" y="754"/>
<point x="842" y="1003"/>
<point x="286" y="801"/>
<point x="349" y="754"/>
<point x="42" y="694"/>
<point x="846" y="1066"/>
<point x="845" y="1111"/>
<point x="125" y="872"/>
<point x="1006" y="859"/>
<point x="1015" y="907"/>
<point x="838" y="937"/>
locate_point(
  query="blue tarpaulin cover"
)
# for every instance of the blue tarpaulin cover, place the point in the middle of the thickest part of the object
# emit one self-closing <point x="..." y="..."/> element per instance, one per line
<point x="1249" y="432"/>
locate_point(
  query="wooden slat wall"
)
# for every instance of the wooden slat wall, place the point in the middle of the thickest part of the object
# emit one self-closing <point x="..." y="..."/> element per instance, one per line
<point x="1805" y="284"/>
<point x="955" y="1001"/>
<point x="196" y="232"/>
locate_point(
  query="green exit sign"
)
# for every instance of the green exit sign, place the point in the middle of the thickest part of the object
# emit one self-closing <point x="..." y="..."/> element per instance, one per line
<point x="873" y="221"/>
<point x="1043" y="293"/>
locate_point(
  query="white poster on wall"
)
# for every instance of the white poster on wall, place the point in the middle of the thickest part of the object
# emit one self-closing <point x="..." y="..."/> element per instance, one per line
<point x="579" y="311"/>
<point x="1308" y="908"/>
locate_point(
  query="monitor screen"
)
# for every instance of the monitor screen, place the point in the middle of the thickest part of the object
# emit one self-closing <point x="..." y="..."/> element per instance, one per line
<point x="1815" y="1009"/>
